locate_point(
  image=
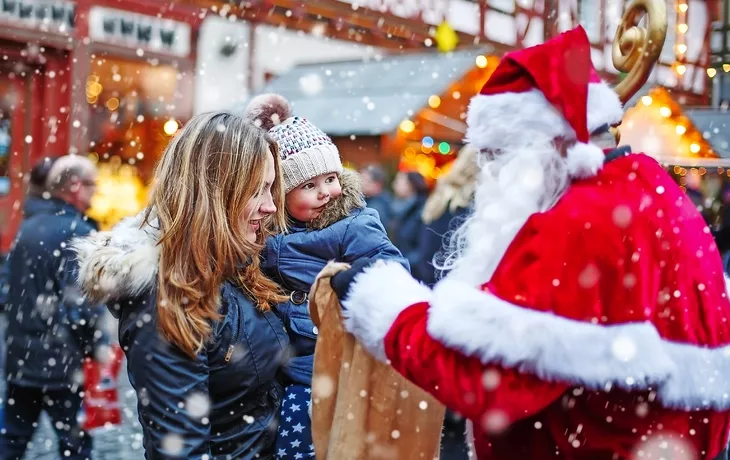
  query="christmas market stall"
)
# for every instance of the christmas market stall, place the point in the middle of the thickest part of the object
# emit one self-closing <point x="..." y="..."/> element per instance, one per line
<point x="405" y="111"/>
<point x="691" y="143"/>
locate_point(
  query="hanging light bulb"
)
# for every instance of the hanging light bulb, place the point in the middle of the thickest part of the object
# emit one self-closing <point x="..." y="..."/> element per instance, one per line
<point x="711" y="72"/>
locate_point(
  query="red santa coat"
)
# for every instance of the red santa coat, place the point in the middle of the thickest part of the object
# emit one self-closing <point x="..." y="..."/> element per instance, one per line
<point x="602" y="333"/>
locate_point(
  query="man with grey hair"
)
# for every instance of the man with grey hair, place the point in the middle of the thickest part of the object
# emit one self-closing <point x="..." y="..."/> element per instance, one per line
<point x="51" y="327"/>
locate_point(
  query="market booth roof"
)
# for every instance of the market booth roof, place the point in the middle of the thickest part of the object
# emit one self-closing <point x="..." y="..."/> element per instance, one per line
<point x="369" y="97"/>
<point x="715" y="127"/>
<point x="654" y="123"/>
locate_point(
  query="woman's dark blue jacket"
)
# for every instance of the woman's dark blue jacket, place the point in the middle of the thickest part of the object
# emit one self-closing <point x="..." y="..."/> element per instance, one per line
<point x="222" y="404"/>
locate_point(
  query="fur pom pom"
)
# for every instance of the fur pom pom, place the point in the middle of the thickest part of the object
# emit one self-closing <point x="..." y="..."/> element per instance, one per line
<point x="584" y="160"/>
<point x="268" y="110"/>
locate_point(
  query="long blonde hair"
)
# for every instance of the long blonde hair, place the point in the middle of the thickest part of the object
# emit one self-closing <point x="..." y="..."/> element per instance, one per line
<point x="209" y="171"/>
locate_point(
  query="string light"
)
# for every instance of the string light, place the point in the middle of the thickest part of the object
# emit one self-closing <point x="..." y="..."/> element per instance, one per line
<point x="680" y="39"/>
<point x="434" y="101"/>
<point x="711" y="72"/>
<point x="171" y="126"/>
<point x="407" y="126"/>
<point x="646" y="100"/>
<point x="694" y="148"/>
<point x="666" y="112"/>
<point x="681" y="129"/>
<point x="481" y="61"/>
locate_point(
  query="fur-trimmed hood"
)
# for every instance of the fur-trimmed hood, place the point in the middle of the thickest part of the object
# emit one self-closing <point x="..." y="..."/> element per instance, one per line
<point x="118" y="263"/>
<point x="342" y="206"/>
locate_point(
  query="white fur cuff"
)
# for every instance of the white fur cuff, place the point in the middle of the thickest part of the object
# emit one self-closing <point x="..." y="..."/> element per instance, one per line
<point x="631" y="356"/>
<point x="377" y="297"/>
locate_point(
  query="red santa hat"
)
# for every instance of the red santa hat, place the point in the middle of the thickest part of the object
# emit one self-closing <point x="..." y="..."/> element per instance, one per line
<point x="551" y="90"/>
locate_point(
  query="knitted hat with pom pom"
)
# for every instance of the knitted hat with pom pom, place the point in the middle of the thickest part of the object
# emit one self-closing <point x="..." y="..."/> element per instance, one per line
<point x="305" y="150"/>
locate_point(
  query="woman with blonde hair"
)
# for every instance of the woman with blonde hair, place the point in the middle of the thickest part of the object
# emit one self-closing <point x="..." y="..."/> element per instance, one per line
<point x="195" y="320"/>
<point x="446" y="208"/>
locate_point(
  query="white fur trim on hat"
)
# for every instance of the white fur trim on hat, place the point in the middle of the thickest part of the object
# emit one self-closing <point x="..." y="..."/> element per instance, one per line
<point x="310" y="163"/>
<point x="529" y="116"/>
<point x="604" y="106"/>
<point x="494" y="120"/>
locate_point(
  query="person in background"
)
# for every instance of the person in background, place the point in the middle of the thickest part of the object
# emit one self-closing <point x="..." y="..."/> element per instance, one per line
<point x="51" y="326"/>
<point x="446" y="209"/>
<point x="406" y="226"/>
<point x="34" y="202"/>
<point x="721" y="230"/>
<point x="377" y="197"/>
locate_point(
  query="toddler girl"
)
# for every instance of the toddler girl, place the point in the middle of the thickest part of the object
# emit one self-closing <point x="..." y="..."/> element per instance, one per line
<point x="328" y="221"/>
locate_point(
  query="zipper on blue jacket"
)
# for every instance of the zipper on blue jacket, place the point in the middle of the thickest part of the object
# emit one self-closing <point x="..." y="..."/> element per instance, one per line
<point x="235" y="329"/>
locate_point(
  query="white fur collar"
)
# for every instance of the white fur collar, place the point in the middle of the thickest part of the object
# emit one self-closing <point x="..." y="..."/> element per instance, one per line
<point x="118" y="263"/>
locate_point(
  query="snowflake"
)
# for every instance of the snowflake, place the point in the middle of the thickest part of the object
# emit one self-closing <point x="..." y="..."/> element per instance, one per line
<point x="623" y="349"/>
<point x="173" y="444"/>
<point x="311" y="84"/>
<point x="197" y="405"/>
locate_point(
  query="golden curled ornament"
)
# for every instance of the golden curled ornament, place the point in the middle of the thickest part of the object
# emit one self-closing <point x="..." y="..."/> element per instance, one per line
<point x="637" y="48"/>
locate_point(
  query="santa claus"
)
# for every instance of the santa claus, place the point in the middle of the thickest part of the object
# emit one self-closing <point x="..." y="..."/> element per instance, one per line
<point x="585" y="314"/>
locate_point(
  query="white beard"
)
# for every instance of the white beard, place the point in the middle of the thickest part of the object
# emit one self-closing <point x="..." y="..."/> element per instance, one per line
<point x="519" y="182"/>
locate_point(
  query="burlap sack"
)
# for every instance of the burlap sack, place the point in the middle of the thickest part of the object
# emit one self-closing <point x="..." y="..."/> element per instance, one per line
<point x="361" y="408"/>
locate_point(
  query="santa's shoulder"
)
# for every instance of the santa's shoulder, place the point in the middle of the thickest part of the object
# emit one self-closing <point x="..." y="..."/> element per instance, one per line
<point x="628" y="191"/>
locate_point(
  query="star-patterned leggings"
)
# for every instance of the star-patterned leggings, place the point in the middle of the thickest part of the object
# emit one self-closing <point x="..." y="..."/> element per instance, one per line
<point x="294" y="440"/>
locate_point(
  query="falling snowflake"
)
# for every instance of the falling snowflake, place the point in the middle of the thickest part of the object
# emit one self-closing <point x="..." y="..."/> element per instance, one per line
<point x="588" y="277"/>
<point x="323" y="387"/>
<point x="490" y="379"/>
<point x="173" y="444"/>
<point x="495" y="421"/>
<point x="623" y="349"/>
<point x="642" y="410"/>
<point x="622" y="216"/>
<point x="664" y="446"/>
<point x="197" y="405"/>
<point x="311" y="84"/>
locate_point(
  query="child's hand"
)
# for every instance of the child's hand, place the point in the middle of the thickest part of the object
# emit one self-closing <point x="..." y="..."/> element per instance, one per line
<point x="342" y="281"/>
